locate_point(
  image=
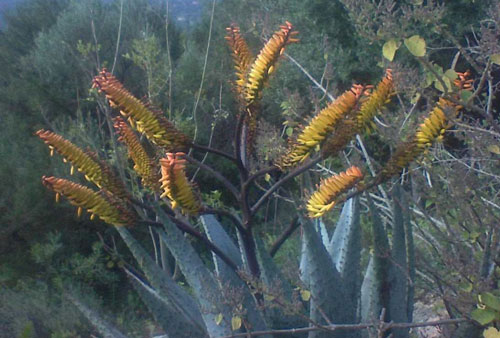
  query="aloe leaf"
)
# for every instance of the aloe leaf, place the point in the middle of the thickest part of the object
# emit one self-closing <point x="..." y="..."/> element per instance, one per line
<point x="106" y="329"/>
<point x="227" y="277"/>
<point x="320" y="227"/>
<point x="398" y="275"/>
<point x="174" y="324"/>
<point x="410" y="248"/>
<point x="162" y="282"/>
<point x="277" y="287"/>
<point x="381" y="254"/>
<point x="328" y="293"/>
<point x="201" y="280"/>
<point x="370" y="298"/>
<point x="345" y="247"/>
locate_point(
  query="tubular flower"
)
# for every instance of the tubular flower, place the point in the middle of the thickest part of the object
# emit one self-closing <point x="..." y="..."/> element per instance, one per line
<point x="265" y="63"/>
<point x="103" y="204"/>
<point x="151" y="122"/>
<point x="377" y="99"/>
<point x="464" y="82"/>
<point x="322" y="124"/>
<point x="431" y="130"/>
<point x="143" y="164"/>
<point x="323" y="199"/>
<point x="241" y="54"/>
<point x="96" y="171"/>
<point x="434" y="125"/>
<point x="175" y="184"/>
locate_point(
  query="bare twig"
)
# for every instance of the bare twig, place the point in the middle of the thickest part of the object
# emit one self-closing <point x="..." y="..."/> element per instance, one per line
<point x="284" y="236"/>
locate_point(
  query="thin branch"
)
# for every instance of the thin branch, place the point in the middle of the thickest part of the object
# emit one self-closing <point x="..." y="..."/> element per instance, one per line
<point x="289" y="176"/>
<point x="214" y="151"/>
<point x="216" y="174"/>
<point x="203" y="72"/>
<point x="354" y="327"/>
<point x="118" y="37"/>
<point x="284" y="236"/>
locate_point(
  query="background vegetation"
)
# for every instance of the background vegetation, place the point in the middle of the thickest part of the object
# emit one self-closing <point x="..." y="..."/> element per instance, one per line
<point x="50" y="51"/>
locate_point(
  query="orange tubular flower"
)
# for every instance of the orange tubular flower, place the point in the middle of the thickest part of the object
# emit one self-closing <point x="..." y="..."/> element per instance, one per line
<point x="241" y="54"/>
<point x="265" y="63"/>
<point x="176" y="186"/>
<point x="322" y="124"/>
<point x="143" y="164"/>
<point x="98" y="172"/>
<point x="151" y="122"/>
<point x="323" y="199"/>
<point x="103" y="204"/>
<point x="464" y="82"/>
<point x="375" y="102"/>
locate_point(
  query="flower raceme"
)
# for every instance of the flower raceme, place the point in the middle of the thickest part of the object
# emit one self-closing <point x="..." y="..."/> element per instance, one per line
<point x="103" y="204"/>
<point x="157" y="128"/>
<point x="265" y="62"/>
<point x="96" y="171"/>
<point x="144" y="165"/>
<point x="175" y="184"/>
<point x="324" y="198"/>
<point x="320" y="126"/>
<point x="242" y="57"/>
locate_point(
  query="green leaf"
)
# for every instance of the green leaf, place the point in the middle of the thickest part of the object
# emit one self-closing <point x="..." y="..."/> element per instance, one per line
<point x="289" y="131"/>
<point x="389" y="49"/>
<point x="494" y="149"/>
<point x="495" y="58"/>
<point x="305" y="295"/>
<point x="218" y="318"/>
<point x="490" y="300"/>
<point x="491" y="332"/>
<point x="416" y="45"/>
<point x="235" y="323"/>
<point x="483" y="316"/>
<point x="451" y="74"/>
<point x="465" y="95"/>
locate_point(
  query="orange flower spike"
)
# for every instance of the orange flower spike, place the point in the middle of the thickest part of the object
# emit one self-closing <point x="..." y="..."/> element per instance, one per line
<point x="96" y="171"/>
<point x="375" y="102"/>
<point x="103" y="204"/>
<point x="242" y="57"/>
<point x="265" y="62"/>
<point x="434" y="125"/>
<point x="175" y="184"/>
<point x="322" y="124"/>
<point x="143" y="164"/>
<point x="463" y="82"/>
<point x="323" y="199"/>
<point x="157" y="128"/>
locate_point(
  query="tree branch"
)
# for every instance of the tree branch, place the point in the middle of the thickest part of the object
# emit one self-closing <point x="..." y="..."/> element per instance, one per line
<point x="284" y="236"/>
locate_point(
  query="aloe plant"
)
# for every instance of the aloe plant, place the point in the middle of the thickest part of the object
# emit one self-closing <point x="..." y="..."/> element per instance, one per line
<point x="242" y="288"/>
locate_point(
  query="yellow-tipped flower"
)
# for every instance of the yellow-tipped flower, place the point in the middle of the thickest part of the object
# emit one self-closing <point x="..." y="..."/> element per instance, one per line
<point x="176" y="186"/>
<point x="151" y="122"/>
<point x="320" y="126"/>
<point x="324" y="198"/>
<point x="98" y="172"/>
<point x="103" y="204"/>
<point x="241" y="54"/>
<point x="144" y="165"/>
<point x="375" y="102"/>
<point x="432" y="130"/>
<point x="434" y="125"/>
<point x="265" y="63"/>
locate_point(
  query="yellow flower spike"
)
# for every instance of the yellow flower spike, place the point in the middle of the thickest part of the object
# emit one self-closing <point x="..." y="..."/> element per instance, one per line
<point x="157" y="128"/>
<point x="96" y="171"/>
<point x="105" y="205"/>
<point x="242" y="57"/>
<point x="144" y="165"/>
<point x="320" y="126"/>
<point x="175" y="184"/>
<point x="323" y="199"/>
<point x="265" y="62"/>
<point x="375" y="102"/>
